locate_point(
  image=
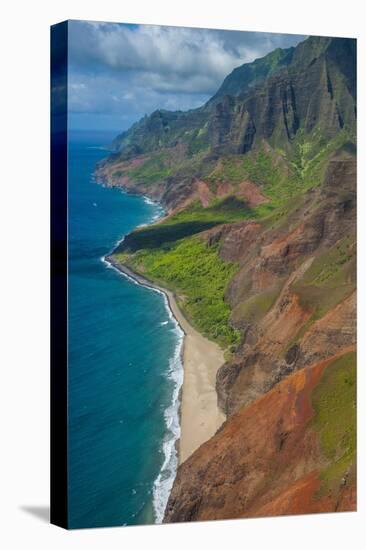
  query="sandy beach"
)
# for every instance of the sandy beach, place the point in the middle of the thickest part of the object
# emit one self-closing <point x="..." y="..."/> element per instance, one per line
<point x="200" y="415"/>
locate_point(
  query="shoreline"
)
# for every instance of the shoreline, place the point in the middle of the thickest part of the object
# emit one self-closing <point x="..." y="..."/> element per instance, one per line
<point x="200" y="416"/>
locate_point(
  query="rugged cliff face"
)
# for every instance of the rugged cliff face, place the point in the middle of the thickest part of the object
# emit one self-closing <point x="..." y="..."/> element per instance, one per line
<point x="274" y="457"/>
<point x="259" y="244"/>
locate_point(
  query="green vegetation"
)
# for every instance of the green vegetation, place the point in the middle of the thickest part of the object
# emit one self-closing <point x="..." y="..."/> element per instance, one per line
<point x="168" y="253"/>
<point x="229" y="168"/>
<point x="328" y="268"/>
<point x="279" y="175"/>
<point x="334" y="403"/>
<point x="266" y="168"/>
<point x="227" y="210"/>
<point x="312" y="152"/>
<point x="195" y="272"/>
<point x="152" y="170"/>
<point x="198" y="141"/>
<point x="242" y="78"/>
<point x="194" y="219"/>
<point x="329" y="279"/>
<point x="162" y="130"/>
<point x="256" y="306"/>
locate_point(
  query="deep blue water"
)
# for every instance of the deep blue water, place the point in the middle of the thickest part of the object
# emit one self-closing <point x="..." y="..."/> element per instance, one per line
<point x="124" y="365"/>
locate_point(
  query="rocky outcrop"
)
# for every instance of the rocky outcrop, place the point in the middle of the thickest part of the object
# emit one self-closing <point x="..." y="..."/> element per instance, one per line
<point x="333" y="332"/>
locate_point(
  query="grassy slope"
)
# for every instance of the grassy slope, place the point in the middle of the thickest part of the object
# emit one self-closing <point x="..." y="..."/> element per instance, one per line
<point x="334" y="404"/>
<point x="329" y="280"/>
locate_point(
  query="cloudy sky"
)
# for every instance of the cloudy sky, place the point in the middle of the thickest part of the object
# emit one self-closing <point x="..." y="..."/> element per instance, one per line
<point x="119" y="72"/>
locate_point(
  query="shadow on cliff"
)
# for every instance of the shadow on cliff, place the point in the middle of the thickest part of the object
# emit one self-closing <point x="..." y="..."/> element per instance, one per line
<point x="159" y="235"/>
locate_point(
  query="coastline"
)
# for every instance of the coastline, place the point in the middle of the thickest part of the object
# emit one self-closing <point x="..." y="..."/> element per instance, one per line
<point x="200" y="416"/>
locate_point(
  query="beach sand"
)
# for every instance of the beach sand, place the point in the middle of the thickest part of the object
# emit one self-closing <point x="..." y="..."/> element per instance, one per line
<point x="200" y="414"/>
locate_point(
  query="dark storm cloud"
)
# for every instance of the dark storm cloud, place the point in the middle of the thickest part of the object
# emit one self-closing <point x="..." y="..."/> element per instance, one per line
<point x="129" y="70"/>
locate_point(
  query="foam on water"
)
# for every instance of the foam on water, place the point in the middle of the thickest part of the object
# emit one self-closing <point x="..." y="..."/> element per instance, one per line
<point x="164" y="482"/>
<point x="149" y="201"/>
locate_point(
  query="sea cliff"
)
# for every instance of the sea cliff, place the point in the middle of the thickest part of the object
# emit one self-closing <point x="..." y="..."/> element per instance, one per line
<point x="259" y="247"/>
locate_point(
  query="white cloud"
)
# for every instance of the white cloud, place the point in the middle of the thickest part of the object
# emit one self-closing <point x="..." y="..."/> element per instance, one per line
<point x="200" y="58"/>
<point x="116" y="67"/>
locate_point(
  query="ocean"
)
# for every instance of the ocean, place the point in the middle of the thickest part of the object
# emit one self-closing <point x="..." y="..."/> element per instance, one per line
<point x="123" y="358"/>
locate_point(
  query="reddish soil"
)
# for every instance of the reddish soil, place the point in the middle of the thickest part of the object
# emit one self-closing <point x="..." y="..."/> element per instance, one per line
<point x="264" y="461"/>
<point x="223" y="189"/>
<point x="204" y="193"/>
<point x="251" y="193"/>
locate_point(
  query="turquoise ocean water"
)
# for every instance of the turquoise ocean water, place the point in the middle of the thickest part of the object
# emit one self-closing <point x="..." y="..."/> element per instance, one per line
<point x="124" y="360"/>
